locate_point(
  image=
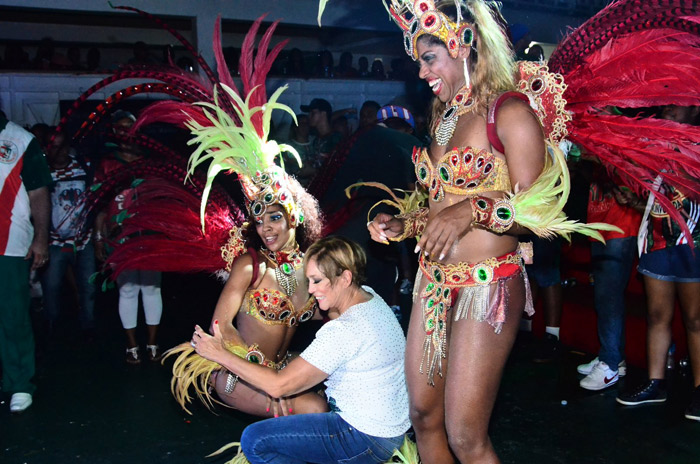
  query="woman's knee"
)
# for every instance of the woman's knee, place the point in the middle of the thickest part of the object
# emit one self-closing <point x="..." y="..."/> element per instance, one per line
<point x="464" y="438"/>
<point x="424" y="417"/>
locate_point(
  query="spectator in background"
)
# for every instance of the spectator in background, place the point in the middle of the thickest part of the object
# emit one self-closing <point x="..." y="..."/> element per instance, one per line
<point x="363" y="67"/>
<point x="397" y="118"/>
<point x="670" y="267"/>
<point x="341" y="126"/>
<point x="324" y="67"/>
<point x="398" y="71"/>
<point x="612" y="264"/>
<point x="130" y="282"/>
<point x="345" y="69"/>
<point x="73" y="55"/>
<point x="520" y="39"/>
<point x="320" y="112"/>
<point x="44" y="54"/>
<point x="368" y="113"/>
<point x="301" y="140"/>
<point x="24" y="178"/>
<point x="93" y="59"/>
<point x="295" y="64"/>
<point x="377" y="72"/>
<point x="535" y="53"/>
<point x="70" y="241"/>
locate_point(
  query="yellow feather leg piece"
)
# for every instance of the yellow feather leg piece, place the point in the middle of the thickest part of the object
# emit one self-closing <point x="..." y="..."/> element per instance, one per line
<point x="190" y="370"/>
<point x="407" y="454"/>
<point x="540" y="208"/>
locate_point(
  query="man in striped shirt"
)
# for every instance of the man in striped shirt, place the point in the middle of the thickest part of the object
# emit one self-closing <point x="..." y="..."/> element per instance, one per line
<point x="24" y="224"/>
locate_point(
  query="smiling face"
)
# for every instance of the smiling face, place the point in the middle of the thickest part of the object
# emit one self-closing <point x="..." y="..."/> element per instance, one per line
<point x="320" y="286"/>
<point x="444" y="74"/>
<point x="273" y="228"/>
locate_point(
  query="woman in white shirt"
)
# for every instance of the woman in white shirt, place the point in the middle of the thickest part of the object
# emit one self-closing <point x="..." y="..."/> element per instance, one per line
<point x="359" y="355"/>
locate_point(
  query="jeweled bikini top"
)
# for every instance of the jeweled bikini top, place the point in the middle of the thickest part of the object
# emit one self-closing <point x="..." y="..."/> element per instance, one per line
<point x="275" y="308"/>
<point x="462" y="171"/>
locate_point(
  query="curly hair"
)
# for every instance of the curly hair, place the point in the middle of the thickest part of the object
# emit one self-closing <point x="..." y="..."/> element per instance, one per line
<point x="491" y="60"/>
<point x="310" y="229"/>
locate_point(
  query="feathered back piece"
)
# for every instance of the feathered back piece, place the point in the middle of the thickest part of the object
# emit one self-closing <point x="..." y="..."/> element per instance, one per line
<point x="636" y="55"/>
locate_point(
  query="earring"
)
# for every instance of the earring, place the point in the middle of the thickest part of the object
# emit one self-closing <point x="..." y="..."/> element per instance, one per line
<point x="467" y="81"/>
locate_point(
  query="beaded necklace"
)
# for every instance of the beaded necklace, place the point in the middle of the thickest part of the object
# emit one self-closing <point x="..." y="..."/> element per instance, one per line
<point x="286" y="263"/>
<point x="461" y="104"/>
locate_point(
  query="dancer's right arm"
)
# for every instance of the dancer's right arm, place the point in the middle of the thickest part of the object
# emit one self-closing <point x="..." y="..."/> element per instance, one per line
<point x="232" y="297"/>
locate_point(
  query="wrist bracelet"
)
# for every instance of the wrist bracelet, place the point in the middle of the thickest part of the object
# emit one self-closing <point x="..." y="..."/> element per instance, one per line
<point x="231" y="381"/>
<point x="495" y="215"/>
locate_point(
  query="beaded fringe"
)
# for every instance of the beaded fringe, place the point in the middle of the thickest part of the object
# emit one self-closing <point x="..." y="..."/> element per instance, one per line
<point x="471" y="303"/>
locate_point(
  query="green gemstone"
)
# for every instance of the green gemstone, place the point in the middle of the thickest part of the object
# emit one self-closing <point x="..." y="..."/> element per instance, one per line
<point x="268" y="197"/>
<point x="422" y="173"/>
<point x="429" y="287"/>
<point x="438" y="276"/>
<point x="254" y="359"/>
<point x="446" y="293"/>
<point x="431" y="303"/>
<point x="286" y="268"/>
<point x="430" y="323"/>
<point x="444" y="175"/>
<point x="482" y="275"/>
<point x="504" y="213"/>
<point x="481" y="203"/>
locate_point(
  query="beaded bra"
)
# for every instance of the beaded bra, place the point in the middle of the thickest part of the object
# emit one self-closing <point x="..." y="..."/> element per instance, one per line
<point x="462" y="171"/>
<point x="273" y="307"/>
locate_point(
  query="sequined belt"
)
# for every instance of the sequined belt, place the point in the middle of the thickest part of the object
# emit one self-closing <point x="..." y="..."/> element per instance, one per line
<point x="466" y="274"/>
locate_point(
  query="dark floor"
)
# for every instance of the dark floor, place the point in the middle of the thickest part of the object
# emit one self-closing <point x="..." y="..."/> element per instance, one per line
<point x="92" y="407"/>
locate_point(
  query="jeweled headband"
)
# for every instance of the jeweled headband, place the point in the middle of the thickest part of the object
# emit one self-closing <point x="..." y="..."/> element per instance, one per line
<point x="418" y="17"/>
<point x="271" y="187"/>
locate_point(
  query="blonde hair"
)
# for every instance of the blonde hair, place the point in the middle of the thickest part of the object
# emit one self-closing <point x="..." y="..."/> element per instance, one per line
<point x="493" y="66"/>
<point x="334" y="255"/>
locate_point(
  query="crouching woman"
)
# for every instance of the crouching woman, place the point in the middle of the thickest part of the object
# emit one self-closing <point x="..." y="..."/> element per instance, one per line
<point x="359" y="356"/>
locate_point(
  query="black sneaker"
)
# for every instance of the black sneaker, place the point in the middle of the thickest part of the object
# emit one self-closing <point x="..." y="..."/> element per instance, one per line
<point x="693" y="411"/>
<point x="547" y="349"/>
<point x="653" y="391"/>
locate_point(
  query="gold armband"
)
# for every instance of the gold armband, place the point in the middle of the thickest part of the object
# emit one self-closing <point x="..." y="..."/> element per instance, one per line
<point x="495" y="215"/>
<point x="413" y="224"/>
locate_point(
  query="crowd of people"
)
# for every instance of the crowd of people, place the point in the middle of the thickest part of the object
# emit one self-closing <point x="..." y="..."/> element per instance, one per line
<point x="486" y="164"/>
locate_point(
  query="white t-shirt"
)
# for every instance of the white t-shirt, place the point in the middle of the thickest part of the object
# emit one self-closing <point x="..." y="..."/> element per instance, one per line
<point x="362" y="351"/>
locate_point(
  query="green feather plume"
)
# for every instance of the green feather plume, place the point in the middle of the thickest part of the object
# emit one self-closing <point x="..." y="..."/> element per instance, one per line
<point x="539" y="208"/>
<point x="230" y="145"/>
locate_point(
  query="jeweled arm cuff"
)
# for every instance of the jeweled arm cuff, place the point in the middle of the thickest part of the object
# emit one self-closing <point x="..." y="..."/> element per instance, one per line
<point x="496" y="215"/>
<point x="413" y="224"/>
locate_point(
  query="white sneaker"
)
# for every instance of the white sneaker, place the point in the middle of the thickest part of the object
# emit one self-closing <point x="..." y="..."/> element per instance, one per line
<point x="20" y="402"/>
<point x="600" y="377"/>
<point x="587" y="368"/>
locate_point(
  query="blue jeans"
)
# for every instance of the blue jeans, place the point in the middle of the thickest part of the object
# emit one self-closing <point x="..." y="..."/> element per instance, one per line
<point x="612" y="265"/>
<point x="323" y="438"/>
<point x="83" y="264"/>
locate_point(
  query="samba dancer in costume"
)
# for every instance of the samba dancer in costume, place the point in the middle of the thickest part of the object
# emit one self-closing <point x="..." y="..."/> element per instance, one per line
<point x="489" y="150"/>
<point x="265" y="297"/>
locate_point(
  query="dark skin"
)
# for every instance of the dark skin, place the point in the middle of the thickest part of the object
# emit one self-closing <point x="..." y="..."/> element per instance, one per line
<point x="451" y="418"/>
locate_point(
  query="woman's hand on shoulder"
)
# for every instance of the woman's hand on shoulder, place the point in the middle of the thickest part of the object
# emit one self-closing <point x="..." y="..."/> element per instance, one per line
<point x="444" y="229"/>
<point x="383" y="227"/>
<point x="523" y="140"/>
